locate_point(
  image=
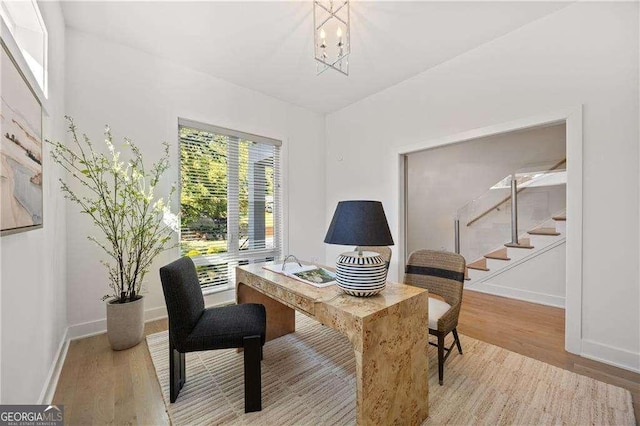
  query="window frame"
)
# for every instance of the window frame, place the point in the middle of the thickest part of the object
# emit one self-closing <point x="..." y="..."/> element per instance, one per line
<point x="278" y="203"/>
<point x="12" y="27"/>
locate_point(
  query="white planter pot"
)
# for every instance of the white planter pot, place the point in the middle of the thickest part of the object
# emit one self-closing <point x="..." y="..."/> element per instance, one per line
<point x="125" y="324"/>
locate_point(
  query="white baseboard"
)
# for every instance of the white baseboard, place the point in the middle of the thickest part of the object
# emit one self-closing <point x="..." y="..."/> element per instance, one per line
<point x="153" y="314"/>
<point x="87" y="329"/>
<point x="514" y="293"/>
<point x="611" y="355"/>
<point x="92" y="328"/>
<point x="49" y="388"/>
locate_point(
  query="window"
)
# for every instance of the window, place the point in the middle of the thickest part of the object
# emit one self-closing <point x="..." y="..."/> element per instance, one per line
<point x="25" y="23"/>
<point x="231" y="213"/>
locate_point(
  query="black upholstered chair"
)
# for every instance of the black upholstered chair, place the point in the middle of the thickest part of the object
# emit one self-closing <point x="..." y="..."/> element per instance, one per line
<point x="194" y="328"/>
<point x="442" y="273"/>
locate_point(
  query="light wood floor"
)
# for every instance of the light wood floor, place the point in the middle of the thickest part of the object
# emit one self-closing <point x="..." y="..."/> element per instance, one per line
<point x="536" y="331"/>
<point x="100" y="386"/>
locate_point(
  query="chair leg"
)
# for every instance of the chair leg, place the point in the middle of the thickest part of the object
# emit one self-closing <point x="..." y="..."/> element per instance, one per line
<point x="455" y="336"/>
<point x="252" y="374"/>
<point x="441" y="358"/>
<point x="183" y="369"/>
<point x="177" y="372"/>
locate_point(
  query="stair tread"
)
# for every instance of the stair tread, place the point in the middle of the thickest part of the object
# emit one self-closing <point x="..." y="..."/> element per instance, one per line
<point x="560" y="218"/>
<point x="544" y="231"/>
<point x="524" y="243"/>
<point x="480" y="265"/>
<point x="500" y="254"/>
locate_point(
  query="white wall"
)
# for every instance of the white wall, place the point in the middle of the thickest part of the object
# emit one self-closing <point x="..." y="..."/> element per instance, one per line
<point x="141" y="96"/>
<point x="32" y="286"/>
<point x="586" y="53"/>
<point x="442" y="180"/>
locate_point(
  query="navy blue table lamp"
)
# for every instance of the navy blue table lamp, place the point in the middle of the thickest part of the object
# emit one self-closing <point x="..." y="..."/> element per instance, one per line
<point x="360" y="223"/>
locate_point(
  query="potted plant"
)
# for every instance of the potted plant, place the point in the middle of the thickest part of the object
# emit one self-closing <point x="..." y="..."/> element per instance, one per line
<point x="118" y="195"/>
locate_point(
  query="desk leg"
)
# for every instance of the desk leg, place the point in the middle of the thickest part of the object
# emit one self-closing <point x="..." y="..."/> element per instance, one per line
<point x="281" y="319"/>
<point x="392" y="383"/>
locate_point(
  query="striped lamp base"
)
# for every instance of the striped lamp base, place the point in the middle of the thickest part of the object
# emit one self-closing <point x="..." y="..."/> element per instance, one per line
<point x="362" y="276"/>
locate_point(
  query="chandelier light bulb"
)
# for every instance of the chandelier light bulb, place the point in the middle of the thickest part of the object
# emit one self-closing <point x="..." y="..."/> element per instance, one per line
<point x="322" y="34"/>
<point x="339" y="32"/>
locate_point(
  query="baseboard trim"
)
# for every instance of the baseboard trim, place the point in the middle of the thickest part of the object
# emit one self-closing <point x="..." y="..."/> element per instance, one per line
<point x="87" y="329"/>
<point x="93" y="328"/>
<point x="611" y="355"/>
<point x="50" y="385"/>
<point x="514" y="293"/>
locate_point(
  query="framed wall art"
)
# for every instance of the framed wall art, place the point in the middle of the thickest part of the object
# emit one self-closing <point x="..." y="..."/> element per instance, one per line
<point x="21" y="195"/>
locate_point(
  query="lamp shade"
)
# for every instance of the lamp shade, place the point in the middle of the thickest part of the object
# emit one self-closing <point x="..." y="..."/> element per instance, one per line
<point x="360" y="223"/>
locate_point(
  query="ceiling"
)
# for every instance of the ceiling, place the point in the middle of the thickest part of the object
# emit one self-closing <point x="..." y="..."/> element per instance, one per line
<point x="268" y="46"/>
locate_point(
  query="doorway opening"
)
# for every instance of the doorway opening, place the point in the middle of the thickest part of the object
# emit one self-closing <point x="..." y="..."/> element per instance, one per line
<point x="552" y="202"/>
<point x="500" y="201"/>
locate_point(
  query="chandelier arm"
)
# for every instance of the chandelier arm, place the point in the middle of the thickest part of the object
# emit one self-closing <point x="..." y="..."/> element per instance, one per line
<point x="328" y="65"/>
<point x="330" y="12"/>
<point x="329" y="18"/>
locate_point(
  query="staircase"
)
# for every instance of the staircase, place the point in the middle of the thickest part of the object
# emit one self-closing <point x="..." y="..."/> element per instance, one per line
<point x="503" y="258"/>
<point x="550" y="233"/>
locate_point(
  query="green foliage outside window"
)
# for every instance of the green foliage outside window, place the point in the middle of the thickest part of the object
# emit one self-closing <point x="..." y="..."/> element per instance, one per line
<point x="204" y="186"/>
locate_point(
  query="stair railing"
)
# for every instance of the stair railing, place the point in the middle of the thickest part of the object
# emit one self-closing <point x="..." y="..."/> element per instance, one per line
<point x="513" y="198"/>
<point x="514" y="210"/>
<point x="506" y="199"/>
<point x="456" y="230"/>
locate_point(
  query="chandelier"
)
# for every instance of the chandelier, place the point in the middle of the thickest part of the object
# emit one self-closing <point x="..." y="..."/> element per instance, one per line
<point x="331" y="35"/>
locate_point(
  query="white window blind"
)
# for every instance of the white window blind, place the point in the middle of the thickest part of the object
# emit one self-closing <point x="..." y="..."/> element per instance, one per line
<point x="231" y="209"/>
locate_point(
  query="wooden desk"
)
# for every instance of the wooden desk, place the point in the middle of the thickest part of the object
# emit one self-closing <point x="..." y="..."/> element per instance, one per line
<point x="388" y="332"/>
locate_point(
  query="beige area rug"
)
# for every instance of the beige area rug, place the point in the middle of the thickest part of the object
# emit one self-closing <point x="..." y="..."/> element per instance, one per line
<point x="308" y="378"/>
